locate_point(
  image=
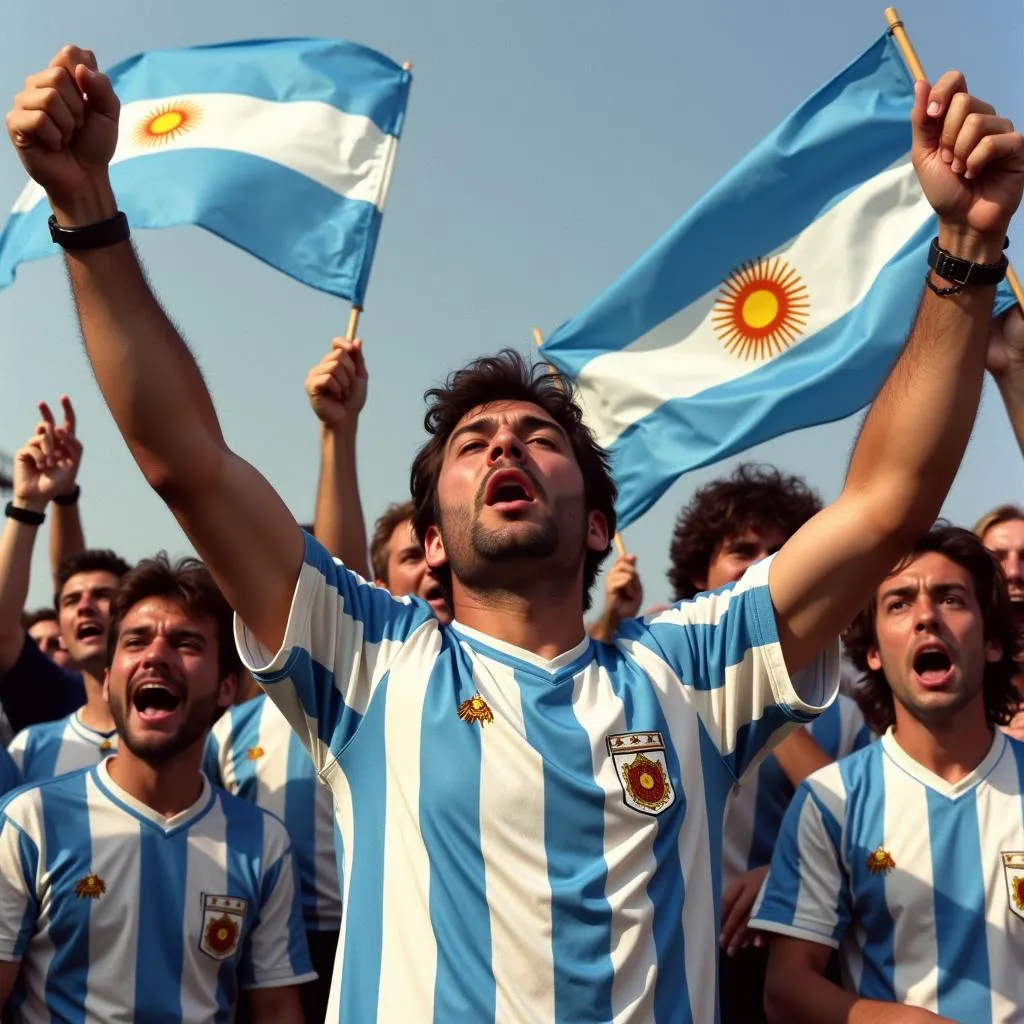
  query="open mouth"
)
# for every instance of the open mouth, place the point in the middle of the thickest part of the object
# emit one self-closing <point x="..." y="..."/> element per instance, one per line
<point x="933" y="666"/>
<point x="509" y="487"/>
<point x="155" y="701"/>
<point x="89" y="631"/>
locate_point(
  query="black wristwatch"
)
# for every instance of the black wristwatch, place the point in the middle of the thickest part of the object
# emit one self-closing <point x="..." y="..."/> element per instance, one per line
<point x="92" y="236"/>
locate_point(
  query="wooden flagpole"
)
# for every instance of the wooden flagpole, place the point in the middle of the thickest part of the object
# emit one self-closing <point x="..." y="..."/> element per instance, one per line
<point x="538" y="340"/>
<point x="898" y="32"/>
<point x="355" y="311"/>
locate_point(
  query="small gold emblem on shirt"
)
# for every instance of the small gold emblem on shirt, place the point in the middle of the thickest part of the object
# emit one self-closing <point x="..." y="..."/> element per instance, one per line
<point x="106" y="745"/>
<point x="880" y="862"/>
<point x="476" y="710"/>
<point x="92" y="887"/>
<point x="255" y="753"/>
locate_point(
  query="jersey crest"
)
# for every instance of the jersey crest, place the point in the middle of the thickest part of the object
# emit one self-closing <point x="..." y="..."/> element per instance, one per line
<point x="255" y="753"/>
<point x="880" y="862"/>
<point x="1013" y="869"/>
<point x="223" y="917"/>
<point x="475" y="709"/>
<point x="92" y="887"/>
<point x="642" y="771"/>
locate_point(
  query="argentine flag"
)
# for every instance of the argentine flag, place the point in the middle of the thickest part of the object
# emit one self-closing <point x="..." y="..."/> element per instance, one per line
<point x="779" y="301"/>
<point x="284" y="147"/>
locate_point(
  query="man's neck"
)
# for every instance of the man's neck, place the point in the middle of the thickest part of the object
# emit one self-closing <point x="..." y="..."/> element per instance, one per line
<point x="542" y="626"/>
<point x="168" y="787"/>
<point x="950" y="749"/>
<point x="95" y="713"/>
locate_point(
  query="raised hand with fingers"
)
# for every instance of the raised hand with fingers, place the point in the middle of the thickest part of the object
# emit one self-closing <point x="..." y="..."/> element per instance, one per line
<point x="64" y="127"/>
<point x="970" y="163"/>
<point x="337" y="385"/>
<point x="624" y="593"/>
<point x="737" y="903"/>
<point x="47" y="465"/>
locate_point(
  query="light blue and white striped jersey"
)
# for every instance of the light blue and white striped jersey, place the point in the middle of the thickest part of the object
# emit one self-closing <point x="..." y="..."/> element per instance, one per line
<point x="10" y="773"/>
<point x="754" y="813"/>
<point x="119" y="914"/>
<point x="56" y="748"/>
<point x="253" y="753"/>
<point x="525" y="839"/>
<point x="918" y="882"/>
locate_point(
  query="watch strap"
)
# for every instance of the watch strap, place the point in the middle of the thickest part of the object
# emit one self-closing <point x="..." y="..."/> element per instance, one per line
<point x="91" y="236"/>
<point x="24" y="515"/>
<point x="965" y="272"/>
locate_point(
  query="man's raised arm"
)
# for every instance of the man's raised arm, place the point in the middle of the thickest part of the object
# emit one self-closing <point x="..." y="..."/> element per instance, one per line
<point x="64" y="127"/>
<point x="971" y="167"/>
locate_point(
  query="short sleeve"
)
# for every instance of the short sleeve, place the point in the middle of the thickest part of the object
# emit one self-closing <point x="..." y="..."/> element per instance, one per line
<point x="276" y="952"/>
<point x="724" y="647"/>
<point x="19" y="907"/>
<point x="17" y="749"/>
<point x="342" y="636"/>
<point x="36" y="690"/>
<point x="805" y="894"/>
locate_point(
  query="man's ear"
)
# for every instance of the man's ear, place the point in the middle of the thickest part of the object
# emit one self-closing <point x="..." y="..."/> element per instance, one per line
<point x="433" y="548"/>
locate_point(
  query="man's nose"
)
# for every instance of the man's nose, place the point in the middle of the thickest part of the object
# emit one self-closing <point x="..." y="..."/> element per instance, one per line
<point x="506" y="445"/>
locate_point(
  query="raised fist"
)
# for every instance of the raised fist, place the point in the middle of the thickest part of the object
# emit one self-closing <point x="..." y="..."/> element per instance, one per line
<point x="336" y="386"/>
<point x="64" y="127"/>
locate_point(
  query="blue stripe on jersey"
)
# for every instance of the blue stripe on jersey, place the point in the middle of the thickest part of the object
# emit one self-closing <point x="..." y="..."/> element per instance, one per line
<point x="163" y="862"/>
<point x="700" y="653"/>
<point x="42" y="745"/>
<point x="866" y="819"/>
<point x="456" y="881"/>
<point x="827" y="729"/>
<point x="666" y="888"/>
<point x="300" y="814"/>
<point x="66" y="822"/>
<point x="1018" y="755"/>
<point x="752" y="737"/>
<point x="573" y="807"/>
<point x="211" y="758"/>
<point x="10" y="777"/>
<point x="29" y="856"/>
<point x="959" y="893"/>
<point x="717" y="784"/>
<point x="774" y="793"/>
<point x="367" y="781"/>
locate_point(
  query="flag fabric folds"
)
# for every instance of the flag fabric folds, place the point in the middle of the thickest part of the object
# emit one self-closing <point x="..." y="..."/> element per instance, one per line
<point x="284" y="147"/>
<point x="778" y="301"/>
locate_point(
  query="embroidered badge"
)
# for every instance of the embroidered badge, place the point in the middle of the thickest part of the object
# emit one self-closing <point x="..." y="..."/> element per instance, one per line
<point x="476" y="710"/>
<point x="223" y="917"/>
<point x="92" y="887"/>
<point x="106" y="745"/>
<point x="880" y="862"/>
<point x="1013" y="869"/>
<point x="642" y="771"/>
<point x="255" y="753"/>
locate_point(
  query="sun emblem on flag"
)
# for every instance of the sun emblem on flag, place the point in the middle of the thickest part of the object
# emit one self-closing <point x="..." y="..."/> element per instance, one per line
<point x="476" y="710"/>
<point x="255" y="753"/>
<point x="880" y="862"/>
<point x="761" y="310"/>
<point x="92" y="887"/>
<point x="166" y="123"/>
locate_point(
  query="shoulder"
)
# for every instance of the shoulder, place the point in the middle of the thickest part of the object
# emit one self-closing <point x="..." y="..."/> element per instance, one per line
<point x="250" y="823"/>
<point x="35" y="799"/>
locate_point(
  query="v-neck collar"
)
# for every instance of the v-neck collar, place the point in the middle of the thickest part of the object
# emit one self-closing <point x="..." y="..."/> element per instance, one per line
<point x="87" y="732"/>
<point x="950" y="790"/>
<point x="145" y="813"/>
<point x="514" y="654"/>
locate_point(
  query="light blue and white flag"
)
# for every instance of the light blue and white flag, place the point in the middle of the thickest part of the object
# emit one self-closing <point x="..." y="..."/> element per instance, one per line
<point x="779" y="301"/>
<point x="284" y="147"/>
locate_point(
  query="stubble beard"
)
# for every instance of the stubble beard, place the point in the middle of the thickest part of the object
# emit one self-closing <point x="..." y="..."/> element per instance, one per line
<point x="162" y="747"/>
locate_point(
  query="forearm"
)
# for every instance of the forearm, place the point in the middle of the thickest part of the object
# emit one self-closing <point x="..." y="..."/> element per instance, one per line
<point x="16" y="544"/>
<point x="66" y="535"/>
<point x="275" y="1006"/>
<point x="339" y="523"/>
<point x="808" y="997"/>
<point x="916" y="433"/>
<point x="145" y="371"/>
<point x="799" y="756"/>
<point x="1011" y="388"/>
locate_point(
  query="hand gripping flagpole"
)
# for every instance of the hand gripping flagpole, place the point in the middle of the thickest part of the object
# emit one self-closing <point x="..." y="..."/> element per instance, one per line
<point x="538" y="338"/>
<point x="355" y="311"/>
<point x="899" y="34"/>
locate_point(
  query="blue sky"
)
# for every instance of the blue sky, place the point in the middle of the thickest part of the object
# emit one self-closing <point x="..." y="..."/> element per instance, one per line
<point x="547" y="145"/>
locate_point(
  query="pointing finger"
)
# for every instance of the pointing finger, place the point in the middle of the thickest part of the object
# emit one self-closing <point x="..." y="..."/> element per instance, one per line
<point x="70" y="420"/>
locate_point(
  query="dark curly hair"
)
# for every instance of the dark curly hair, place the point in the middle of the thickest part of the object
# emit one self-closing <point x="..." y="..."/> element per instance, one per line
<point x="754" y="497"/>
<point x="509" y="377"/>
<point x="962" y="547"/>
<point x="90" y="560"/>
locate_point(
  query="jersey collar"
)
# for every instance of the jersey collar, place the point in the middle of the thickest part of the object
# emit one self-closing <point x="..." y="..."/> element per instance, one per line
<point x="509" y="652"/>
<point x="90" y="735"/>
<point x="950" y="790"/>
<point x="128" y="803"/>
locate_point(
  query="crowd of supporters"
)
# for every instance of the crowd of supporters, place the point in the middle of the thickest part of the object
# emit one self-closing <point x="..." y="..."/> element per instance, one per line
<point x="413" y="776"/>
